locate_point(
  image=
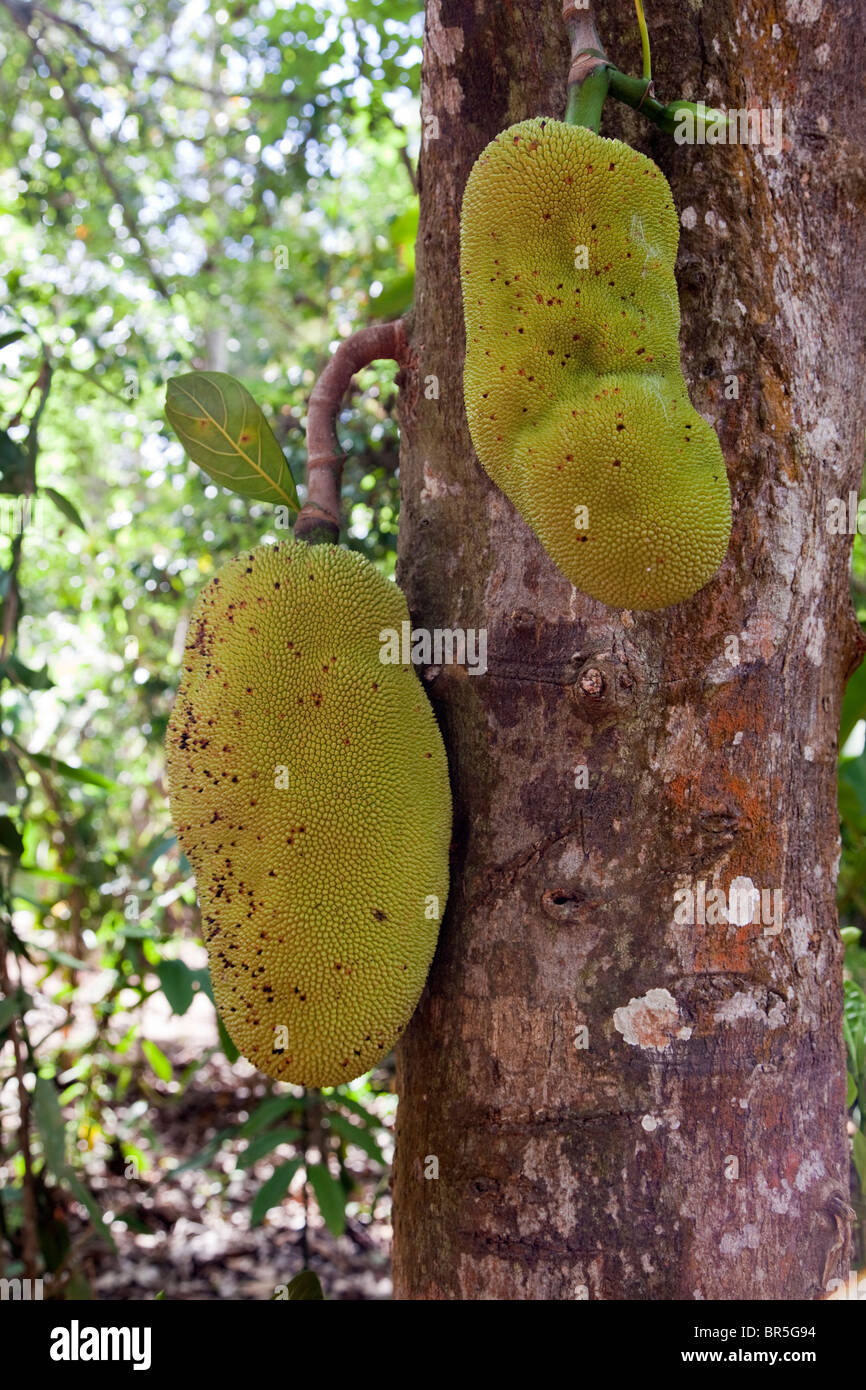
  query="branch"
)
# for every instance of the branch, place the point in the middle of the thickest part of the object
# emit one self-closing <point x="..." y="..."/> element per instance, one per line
<point x="319" y="518"/>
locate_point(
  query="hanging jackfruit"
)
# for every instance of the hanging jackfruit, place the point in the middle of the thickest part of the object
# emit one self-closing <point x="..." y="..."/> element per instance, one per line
<point x="309" y="789"/>
<point x="574" y="393"/>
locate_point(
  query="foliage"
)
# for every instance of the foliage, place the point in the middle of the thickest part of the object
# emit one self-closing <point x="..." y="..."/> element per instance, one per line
<point x="226" y="187"/>
<point x="210" y="188"/>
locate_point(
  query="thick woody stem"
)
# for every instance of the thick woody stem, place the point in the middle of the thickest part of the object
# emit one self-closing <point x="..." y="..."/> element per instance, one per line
<point x="587" y="52"/>
<point x="319" y="518"/>
<point x="587" y="76"/>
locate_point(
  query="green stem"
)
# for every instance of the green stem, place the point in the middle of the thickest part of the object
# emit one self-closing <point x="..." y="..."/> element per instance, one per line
<point x="644" y="42"/>
<point x="634" y="92"/>
<point x="586" y="98"/>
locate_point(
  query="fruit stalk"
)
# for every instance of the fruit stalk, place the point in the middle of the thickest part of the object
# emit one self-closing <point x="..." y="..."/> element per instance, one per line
<point x="319" y="519"/>
<point x="587" y="76"/>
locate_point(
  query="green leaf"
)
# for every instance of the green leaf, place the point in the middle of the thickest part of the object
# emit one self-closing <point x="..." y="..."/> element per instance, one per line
<point x="158" y="1060"/>
<point x="8" y="338"/>
<point x="305" y="1287"/>
<point x="226" y="1043"/>
<point x="87" y="1199"/>
<point x="10" y="836"/>
<point x="330" y="1196"/>
<point x="14" y="467"/>
<point x="60" y="957"/>
<point x="206" y="1155"/>
<point x="202" y="978"/>
<point x="22" y="675"/>
<point x="854" y="1025"/>
<point x="860" y="1158"/>
<point x="75" y="774"/>
<point x="176" y="981"/>
<point x="852" y="1091"/>
<point x="266" y="1143"/>
<point x="50" y="1122"/>
<point x="396" y="298"/>
<point x="226" y="434"/>
<point x="13" y="1006"/>
<point x="850" y="935"/>
<point x="853" y="703"/>
<point x="271" y="1108"/>
<point x="64" y="505"/>
<point x="272" y="1192"/>
<point x="355" y="1134"/>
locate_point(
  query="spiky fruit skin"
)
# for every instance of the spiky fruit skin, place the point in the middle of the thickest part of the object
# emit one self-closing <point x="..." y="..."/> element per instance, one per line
<point x="309" y="789"/>
<point x="574" y="393"/>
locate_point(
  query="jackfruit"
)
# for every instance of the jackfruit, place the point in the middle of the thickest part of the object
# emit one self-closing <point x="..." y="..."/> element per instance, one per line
<point x="308" y="786"/>
<point x="574" y="393"/>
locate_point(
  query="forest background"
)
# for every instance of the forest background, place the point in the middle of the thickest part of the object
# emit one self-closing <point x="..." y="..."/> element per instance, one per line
<point x="186" y="186"/>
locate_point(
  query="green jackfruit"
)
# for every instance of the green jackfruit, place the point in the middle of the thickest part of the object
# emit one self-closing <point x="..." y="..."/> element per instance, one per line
<point x="309" y="789"/>
<point x="574" y="393"/>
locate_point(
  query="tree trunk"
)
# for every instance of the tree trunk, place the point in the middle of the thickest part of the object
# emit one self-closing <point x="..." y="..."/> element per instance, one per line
<point x="621" y="1106"/>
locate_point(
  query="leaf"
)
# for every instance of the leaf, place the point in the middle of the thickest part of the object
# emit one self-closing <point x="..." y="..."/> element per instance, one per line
<point x="355" y="1134"/>
<point x="64" y="505"/>
<point x="272" y="1192"/>
<point x="207" y="1154"/>
<point x="226" y="1043"/>
<point x="852" y="1092"/>
<point x="330" y="1196"/>
<point x="860" y="1158"/>
<point x="266" y="1143"/>
<point x="854" y="1025"/>
<point x="14" y="466"/>
<point x="52" y="1127"/>
<point x="8" y="338"/>
<point x="853" y="703"/>
<point x="10" y="836"/>
<point x="13" y="1006"/>
<point x="396" y="298"/>
<point x="22" y="675"/>
<point x="60" y="957"/>
<point x="158" y="1060"/>
<point x="176" y="981"/>
<point x="305" y="1287"/>
<point x="226" y="434"/>
<point x="271" y="1108"/>
<point x="87" y="1199"/>
<point x="75" y="774"/>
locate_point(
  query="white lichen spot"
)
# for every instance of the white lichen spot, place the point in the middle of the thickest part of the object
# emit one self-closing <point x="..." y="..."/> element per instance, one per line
<point x="689" y="218"/>
<point x="815" y="642"/>
<point x="803" y="11"/>
<point x="738" y="738"/>
<point x="649" y="1123"/>
<point x="744" y="1005"/>
<point x="436" y="487"/>
<point x="735" y="1243"/>
<point x="811" y="1170"/>
<point x="809" y="753"/>
<point x="800" y="929"/>
<point x="822" y="53"/>
<point x="653" y="1021"/>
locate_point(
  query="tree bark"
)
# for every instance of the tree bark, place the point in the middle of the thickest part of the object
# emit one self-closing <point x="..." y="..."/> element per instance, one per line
<point x="695" y="1148"/>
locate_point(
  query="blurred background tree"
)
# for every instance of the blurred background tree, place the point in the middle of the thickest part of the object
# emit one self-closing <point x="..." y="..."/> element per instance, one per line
<point x="229" y="187"/>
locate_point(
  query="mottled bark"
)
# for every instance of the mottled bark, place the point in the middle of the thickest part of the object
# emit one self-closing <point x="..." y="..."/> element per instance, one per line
<point x="696" y="1147"/>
